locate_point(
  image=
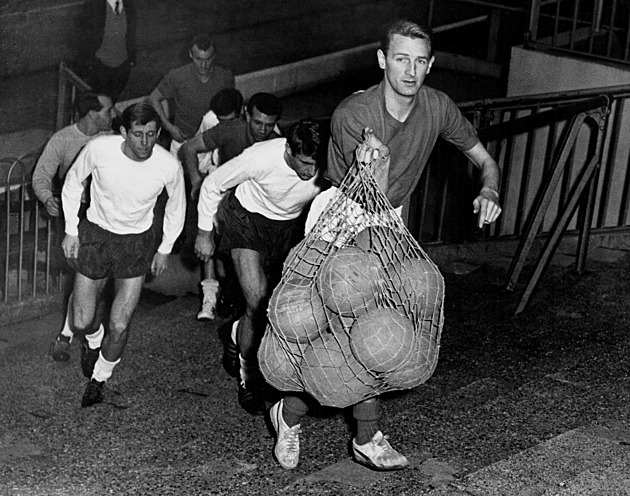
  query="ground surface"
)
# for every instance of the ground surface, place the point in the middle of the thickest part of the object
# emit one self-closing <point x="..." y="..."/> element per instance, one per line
<point x="171" y="424"/>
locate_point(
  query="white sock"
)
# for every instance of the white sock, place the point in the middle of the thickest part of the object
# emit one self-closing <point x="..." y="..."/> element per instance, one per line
<point x="103" y="369"/>
<point x="67" y="330"/>
<point x="234" y="331"/>
<point x="95" y="339"/>
<point x="249" y="369"/>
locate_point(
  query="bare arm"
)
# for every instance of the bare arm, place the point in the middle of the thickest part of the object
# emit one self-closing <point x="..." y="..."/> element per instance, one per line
<point x="191" y="148"/>
<point x="155" y="99"/>
<point x="487" y="201"/>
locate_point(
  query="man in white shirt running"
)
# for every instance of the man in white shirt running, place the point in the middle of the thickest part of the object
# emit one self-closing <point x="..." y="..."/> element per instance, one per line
<point x="116" y="238"/>
<point x="259" y="222"/>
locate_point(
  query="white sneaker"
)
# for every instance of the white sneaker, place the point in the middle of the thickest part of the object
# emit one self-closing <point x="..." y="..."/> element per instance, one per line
<point x="378" y="454"/>
<point x="210" y="287"/>
<point x="287" y="449"/>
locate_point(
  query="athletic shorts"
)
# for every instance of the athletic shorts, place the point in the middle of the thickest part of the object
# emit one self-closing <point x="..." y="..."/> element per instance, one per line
<point x="240" y="228"/>
<point x="105" y="254"/>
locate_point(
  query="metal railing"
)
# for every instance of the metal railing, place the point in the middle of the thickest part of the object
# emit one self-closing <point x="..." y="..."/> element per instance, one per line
<point x="30" y="265"/>
<point x="31" y="262"/>
<point x="595" y="28"/>
<point x="565" y="168"/>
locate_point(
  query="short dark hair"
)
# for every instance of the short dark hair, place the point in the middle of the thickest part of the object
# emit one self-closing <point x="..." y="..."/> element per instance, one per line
<point x="201" y="41"/>
<point x="89" y="101"/>
<point x="141" y="113"/>
<point x="305" y="138"/>
<point x="407" y="29"/>
<point x="226" y="102"/>
<point x="266" y="103"/>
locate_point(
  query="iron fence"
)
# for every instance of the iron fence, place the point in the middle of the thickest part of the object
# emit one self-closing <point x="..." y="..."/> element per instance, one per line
<point x="594" y="28"/>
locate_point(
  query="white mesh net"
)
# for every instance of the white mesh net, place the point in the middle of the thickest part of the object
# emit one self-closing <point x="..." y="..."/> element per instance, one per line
<point x="359" y="309"/>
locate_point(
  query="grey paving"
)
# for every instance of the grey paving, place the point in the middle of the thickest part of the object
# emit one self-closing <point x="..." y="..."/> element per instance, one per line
<point x="528" y="405"/>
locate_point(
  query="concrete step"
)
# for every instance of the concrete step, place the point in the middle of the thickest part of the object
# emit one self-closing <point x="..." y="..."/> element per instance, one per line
<point x="590" y="460"/>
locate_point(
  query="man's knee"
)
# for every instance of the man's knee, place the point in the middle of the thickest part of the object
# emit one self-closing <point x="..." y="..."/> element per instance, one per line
<point x="118" y="327"/>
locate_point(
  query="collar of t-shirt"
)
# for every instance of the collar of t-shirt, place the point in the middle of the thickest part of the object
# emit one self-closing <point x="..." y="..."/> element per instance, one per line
<point x="112" y="4"/>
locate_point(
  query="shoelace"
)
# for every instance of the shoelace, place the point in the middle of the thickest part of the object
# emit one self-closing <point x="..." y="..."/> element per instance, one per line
<point x="386" y="447"/>
<point x="292" y="438"/>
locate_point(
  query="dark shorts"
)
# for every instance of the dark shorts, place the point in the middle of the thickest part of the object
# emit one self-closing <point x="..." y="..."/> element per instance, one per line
<point x="105" y="254"/>
<point x="240" y="228"/>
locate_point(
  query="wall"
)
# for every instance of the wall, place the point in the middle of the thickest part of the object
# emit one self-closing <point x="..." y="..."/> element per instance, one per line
<point x="533" y="72"/>
<point x="250" y="35"/>
<point x="536" y="72"/>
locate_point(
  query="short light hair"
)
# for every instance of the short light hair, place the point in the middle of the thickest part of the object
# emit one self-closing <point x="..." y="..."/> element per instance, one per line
<point x="407" y="29"/>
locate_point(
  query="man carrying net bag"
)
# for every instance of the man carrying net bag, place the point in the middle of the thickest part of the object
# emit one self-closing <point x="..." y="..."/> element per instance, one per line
<point x="359" y="309"/>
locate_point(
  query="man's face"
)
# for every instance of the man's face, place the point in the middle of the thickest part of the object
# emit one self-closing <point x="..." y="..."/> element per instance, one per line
<point x="139" y="140"/>
<point x="304" y="167"/>
<point x="103" y="118"/>
<point x="406" y="64"/>
<point x="260" y="125"/>
<point x="202" y="60"/>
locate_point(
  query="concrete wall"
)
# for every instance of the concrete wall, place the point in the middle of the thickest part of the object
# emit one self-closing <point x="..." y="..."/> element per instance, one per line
<point x="533" y="72"/>
<point x="38" y="34"/>
<point x="536" y="72"/>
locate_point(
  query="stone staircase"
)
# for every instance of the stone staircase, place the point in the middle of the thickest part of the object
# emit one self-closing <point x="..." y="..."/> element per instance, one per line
<point x="590" y="460"/>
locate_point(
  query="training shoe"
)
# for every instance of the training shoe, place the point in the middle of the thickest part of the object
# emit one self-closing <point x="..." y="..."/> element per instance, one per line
<point x="61" y="349"/>
<point x="88" y="360"/>
<point x="231" y="361"/>
<point x="250" y="397"/>
<point x="93" y="393"/>
<point x="287" y="449"/>
<point x="209" y="287"/>
<point x="378" y="454"/>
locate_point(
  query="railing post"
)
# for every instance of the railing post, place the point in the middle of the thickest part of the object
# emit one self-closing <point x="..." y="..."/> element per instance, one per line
<point x="493" y="35"/>
<point x="534" y="16"/>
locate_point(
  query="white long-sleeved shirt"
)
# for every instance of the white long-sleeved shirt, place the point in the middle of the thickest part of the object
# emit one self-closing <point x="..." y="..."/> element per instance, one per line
<point x="123" y="191"/>
<point x="264" y="183"/>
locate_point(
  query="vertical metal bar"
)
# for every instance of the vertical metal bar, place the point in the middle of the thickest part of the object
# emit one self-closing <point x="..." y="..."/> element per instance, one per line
<point x="493" y="35"/>
<point x="423" y="207"/>
<point x="556" y="21"/>
<point x="612" y="130"/>
<point x="626" y="52"/>
<point x="21" y="243"/>
<point x="7" y="239"/>
<point x="576" y="13"/>
<point x="48" y="274"/>
<point x="624" y="208"/>
<point x="430" y="17"/>
<point x="35" y="251"/>
<point x="597" y="15"/>
<point x="534" y="18"/>
<point x="588" y="205"/>
<point x="611" y="28"/>
<point x="61" y="97"/>
<point x="595" y="23"/>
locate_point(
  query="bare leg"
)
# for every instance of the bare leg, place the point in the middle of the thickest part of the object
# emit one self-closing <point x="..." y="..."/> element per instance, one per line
<point x="253" y="281"/>
<point x="85" y="300"/>
<point x="126" y="296"/>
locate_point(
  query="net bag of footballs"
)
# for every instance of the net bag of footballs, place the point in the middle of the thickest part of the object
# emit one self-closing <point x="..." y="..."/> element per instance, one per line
<point x="359" y="308"/>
